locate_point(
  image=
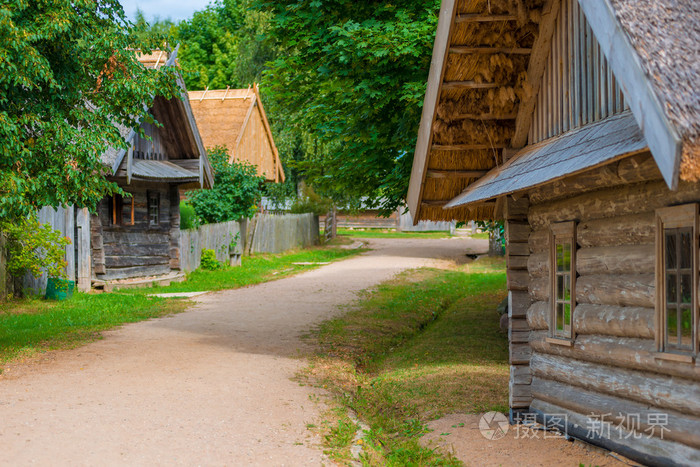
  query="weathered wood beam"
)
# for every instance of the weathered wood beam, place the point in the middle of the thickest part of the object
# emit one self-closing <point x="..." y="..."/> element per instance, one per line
<point x="490" y="50"/>
<point x="466" y="147"/>
<point x="457" y="85"/>
<point x="481" y="18"/>
<point x="434" y="203"/>
<point x="456" y="173"/>
<point x="535" y="70"/>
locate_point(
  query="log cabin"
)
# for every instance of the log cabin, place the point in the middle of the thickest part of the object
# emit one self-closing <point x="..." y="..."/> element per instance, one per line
<point x="137" y="235"/>
<point x="577" y="123"/>
<point x="236" y="119"/>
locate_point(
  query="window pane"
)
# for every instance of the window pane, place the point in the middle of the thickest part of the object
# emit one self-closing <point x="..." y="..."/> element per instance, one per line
<point x="671" y="320"/>
<point x="567" y="288"/>
<point x="671" y="289"/>
<point x="560" y="317"/>
<point x="670" y="250"/>
<point x="686" y="328"/>
<point x="560" y="257"/>
<point x="567" y="317"/>
<point x="560" y="287"/>
<point x="686" y="288"/>
<point x="567" y="257"/>
<point x="686" y="250"/>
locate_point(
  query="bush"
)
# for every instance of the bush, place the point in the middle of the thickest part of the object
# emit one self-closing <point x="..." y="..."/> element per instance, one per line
<point x="32" y="246"/>
<point x="310" y="201"/>
<point x="209" y="261"/>
<point x="188" y="218"/>
<point x="236" y="192"/>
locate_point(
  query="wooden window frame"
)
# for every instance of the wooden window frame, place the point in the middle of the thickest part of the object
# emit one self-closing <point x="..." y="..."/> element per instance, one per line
<point x="562" y="232"/>
<point x="116" y="209"/>
<point x="150" y="195"/>
<point x="668" y="220"/>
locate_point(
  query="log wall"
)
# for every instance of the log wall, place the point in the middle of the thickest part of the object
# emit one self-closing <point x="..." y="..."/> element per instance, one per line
<point x="611" y="366"/>
<point x="139" y="250"/>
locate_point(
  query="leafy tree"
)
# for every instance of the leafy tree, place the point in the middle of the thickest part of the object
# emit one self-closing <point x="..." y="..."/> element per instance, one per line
<point x="67" y="76"/>
<point x="351" y="83"/>
<point x="156" y="31"/>
<point x="236" y="193"/>
<point x="224" y="45"/>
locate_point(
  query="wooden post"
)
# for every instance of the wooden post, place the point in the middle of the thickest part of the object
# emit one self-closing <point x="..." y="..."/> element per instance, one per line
<point x="69" y="231"/>
<point x="82" y="220"/>
<point x="3" y="266"/>
<point x="517" y="232"/>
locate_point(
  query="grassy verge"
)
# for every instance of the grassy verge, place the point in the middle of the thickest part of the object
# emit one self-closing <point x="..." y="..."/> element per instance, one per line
<point x="255" y="269"/>
<point x="414" y="349"/>
<point x="31" y="326"/>
<point x="390" y="233"/>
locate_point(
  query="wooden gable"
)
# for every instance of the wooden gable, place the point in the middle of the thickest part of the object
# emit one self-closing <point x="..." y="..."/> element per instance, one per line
<point x="236" y="119"/>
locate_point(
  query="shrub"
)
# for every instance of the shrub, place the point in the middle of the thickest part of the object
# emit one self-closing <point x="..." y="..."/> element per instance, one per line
<point x="209" y="261"/>
<point x="188" y="218"/>
<point x="236" y="192"/>
<point x="32" y="246"/>
<point x="310" y="201"/>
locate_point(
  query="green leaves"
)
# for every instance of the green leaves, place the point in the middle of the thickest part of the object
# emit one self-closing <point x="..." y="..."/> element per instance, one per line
<point x="351" y="81"/>
<point x="68" y="74"/>
<point x="236" y="193"/>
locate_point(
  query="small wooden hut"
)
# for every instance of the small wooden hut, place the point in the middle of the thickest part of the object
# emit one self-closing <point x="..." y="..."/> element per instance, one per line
<point x="578" y="123"/>
<point x="138" y="234"/>
<point x="235" y="118"/>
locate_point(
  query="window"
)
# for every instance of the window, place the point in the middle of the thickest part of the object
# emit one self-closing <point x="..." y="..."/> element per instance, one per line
<point x="153" y="208"/>
<point x="562" y="280"/>
<point x="677" y="279"/>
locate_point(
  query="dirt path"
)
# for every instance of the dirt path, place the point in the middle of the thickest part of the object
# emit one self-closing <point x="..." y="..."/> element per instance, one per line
<point x="209" y="386"/>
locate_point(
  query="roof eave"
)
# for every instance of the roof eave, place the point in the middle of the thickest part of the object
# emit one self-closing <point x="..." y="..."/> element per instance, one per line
<point x="430" y="104"/>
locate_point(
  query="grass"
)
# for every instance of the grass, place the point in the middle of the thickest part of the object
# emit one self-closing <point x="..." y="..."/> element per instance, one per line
<point x="255" y="269"/>
<point x="32" y="326"/>
<point x="390" y="233"/>
<point x="481" y="235"/>
<point x="414" y="349"/>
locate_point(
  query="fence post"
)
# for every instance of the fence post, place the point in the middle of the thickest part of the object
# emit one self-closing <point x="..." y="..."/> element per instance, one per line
<point x="3" y="268"/>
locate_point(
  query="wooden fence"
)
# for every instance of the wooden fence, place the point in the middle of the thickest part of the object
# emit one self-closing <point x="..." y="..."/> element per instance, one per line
<point x="266" y="233"/>
<point x="275" y="233"/>
<point x="226" y="239"/>
<point x="3" y="268"/>
<point x="73" y="223"/>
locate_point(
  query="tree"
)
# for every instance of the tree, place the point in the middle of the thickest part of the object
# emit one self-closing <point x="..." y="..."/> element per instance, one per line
<point x="225" y="45"/>
<point x="236" y="192"/>
<point x="68" y="74"/>
<point x="351" y="82"/>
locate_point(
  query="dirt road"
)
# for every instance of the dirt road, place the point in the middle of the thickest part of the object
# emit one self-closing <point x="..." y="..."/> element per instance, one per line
<point x="209" y="386"/>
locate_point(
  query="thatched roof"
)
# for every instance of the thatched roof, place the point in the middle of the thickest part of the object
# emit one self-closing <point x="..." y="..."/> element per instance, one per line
<point x="485" y="74"/>
<point x="236" y="119"/>
<point x="478" y="79"/>
<point x="666" y="37"/>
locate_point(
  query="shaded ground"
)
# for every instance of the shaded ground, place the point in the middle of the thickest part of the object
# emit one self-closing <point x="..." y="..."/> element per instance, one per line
<point x="209" y="386"/>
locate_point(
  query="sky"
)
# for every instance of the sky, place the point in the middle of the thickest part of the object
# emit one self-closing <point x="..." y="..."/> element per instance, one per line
<point x="173" y="9"/>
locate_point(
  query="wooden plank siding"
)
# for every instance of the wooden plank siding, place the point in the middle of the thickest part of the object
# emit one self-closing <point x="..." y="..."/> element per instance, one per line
<point x="579" y="86"/>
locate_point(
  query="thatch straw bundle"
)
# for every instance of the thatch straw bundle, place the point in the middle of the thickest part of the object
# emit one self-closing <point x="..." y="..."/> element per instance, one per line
<point x="470" y="131"/>
<point x="474" y="159"/>
<point x="484" y="68"/>
<point x="495" y="34"/>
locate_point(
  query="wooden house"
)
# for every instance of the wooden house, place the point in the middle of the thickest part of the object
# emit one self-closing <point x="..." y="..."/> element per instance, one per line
<point x="138" y="234"/>
<point x="578" y="123"/>
<point x="235" y="118"/>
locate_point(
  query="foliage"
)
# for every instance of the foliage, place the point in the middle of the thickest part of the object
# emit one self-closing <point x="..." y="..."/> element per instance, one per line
<point x="224" y="45"/>
<point x="413" y="349"/>
<point x="350" y="84"/>
<point x="68" y="74"/>
<point x="157" y="31"/>
<point x="188" y="218"/>
<point x="209" y="261"/>
<point x="309" y="201"/>
<point x="497" y="236"/>
<point x="236" y="192"/>
<point x="32" y="246"/>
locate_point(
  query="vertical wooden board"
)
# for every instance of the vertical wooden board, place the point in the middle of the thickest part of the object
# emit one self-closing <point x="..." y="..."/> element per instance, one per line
<point x="3" y="268"/>
<point x="84" y="251"/>
<point x="69" y="232"/>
